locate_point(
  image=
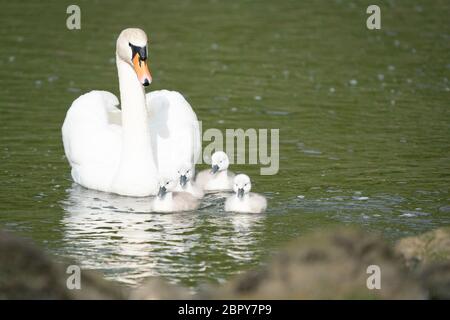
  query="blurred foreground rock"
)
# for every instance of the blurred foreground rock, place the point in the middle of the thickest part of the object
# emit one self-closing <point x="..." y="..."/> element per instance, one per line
<point x="428" y="257"/>
<point x="324" y="265"/>
<point x="157" y="289"/>
<point x="26" y="272"/>
<point x="332" y="265"/>
<point x="430" y="247"/>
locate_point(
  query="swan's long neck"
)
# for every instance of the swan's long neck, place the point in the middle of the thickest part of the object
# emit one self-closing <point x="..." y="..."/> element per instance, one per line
<point x="136" y="157"/>
<point x="136" y="134"/>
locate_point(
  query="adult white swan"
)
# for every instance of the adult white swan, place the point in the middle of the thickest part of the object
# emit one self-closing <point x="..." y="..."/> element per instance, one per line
<point x="123" y="151"/>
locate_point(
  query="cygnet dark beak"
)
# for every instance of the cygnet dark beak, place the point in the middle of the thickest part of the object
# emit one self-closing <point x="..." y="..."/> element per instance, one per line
<point x="162" y="192"/>
<point x="183" y="180"/>
<point x="214" y="169"/>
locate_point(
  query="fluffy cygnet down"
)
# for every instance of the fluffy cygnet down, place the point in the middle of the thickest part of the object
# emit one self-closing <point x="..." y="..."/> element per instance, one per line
<point x="168" y="200"/>
<point x="186" y="184"/>
<point x="243" y="200"/>
<point x="219" y="178"/>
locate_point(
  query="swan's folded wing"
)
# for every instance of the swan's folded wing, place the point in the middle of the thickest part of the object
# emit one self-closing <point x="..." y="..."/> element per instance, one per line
<point x="91" y="130"/>
<point x="175" y="129"/>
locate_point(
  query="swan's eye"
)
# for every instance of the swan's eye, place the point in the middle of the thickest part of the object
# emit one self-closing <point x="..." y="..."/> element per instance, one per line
<point x="141" y="51"/>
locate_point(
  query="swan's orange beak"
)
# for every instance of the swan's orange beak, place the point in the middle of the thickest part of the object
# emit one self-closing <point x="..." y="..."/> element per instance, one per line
<point x="141" y="68"/>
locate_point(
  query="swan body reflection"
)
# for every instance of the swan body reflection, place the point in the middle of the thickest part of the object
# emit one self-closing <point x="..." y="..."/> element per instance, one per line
<point x="120" y="237"/>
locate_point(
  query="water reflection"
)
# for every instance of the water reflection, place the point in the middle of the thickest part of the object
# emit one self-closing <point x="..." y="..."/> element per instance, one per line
<point x="122" y="238"/>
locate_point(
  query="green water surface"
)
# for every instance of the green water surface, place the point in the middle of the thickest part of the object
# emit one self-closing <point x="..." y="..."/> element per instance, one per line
<point x="363" y="115"/>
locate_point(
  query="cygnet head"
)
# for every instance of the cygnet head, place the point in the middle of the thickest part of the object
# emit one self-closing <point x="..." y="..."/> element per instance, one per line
<point x="219" y="161"/>
<point x="166" y="185"/>
<point x="185" y="174"/>
<point x="131" y="47"/>
<point x="242" y="185"/>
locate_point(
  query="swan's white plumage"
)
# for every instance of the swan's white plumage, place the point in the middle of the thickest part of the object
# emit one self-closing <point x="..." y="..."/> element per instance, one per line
<point x="92" y="135"/>
<point x="192" y="189"/>
<point x="243" y="200"/>
<point x="168" y="200"/>
<point x="219" y="178"/>
<point x="188" y="186"/>
<point x="251" y="203"/>
<point x="175" y="202"/>
<point x="122" y="150"/>
<point x="213" y="182"/>
<point x="174" y="130"/>
<point x="92" y="139"/>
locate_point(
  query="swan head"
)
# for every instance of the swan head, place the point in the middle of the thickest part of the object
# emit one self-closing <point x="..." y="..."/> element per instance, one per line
<point x="242" y="185"/>
<point x="131" y="47"/>
<point x="185" y="174"/>
<point x="166" y="185"/>
<point x="219" y="161"/>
